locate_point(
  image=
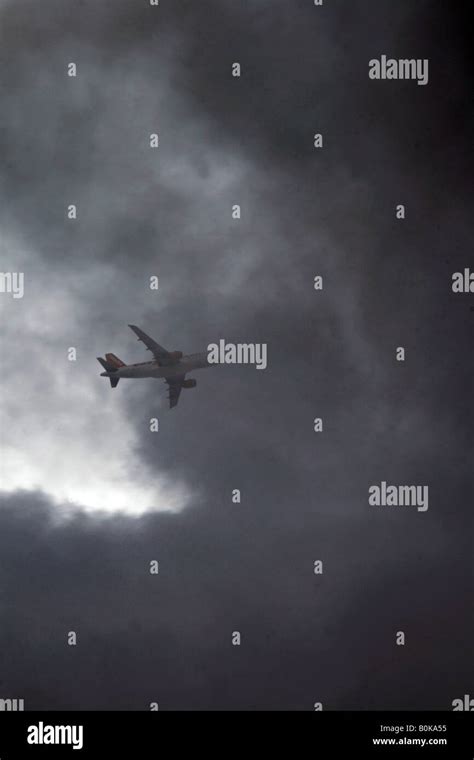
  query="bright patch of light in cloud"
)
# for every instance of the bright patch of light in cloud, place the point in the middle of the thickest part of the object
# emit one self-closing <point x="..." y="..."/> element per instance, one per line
<point x="63" y="430"/>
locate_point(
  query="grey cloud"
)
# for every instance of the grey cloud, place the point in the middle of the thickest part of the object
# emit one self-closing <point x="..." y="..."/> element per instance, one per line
<point x="247" y="567"/>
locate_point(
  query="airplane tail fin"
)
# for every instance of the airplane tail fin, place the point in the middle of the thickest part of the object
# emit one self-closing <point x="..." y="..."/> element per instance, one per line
<point x="110" y="367"/>
<point x="114" y="361"/>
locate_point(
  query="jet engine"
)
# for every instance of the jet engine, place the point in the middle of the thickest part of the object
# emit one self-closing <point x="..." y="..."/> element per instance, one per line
<point x="189" y="383"/>
<point x="175" y="356"/>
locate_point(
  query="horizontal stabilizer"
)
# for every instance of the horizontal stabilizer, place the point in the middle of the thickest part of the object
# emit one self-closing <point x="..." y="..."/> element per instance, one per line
<point x="110" y="368"/>
<point x="106" y="365"/>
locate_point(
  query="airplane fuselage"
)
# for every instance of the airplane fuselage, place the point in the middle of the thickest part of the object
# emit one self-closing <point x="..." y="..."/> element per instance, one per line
<point x="186" y="364"/>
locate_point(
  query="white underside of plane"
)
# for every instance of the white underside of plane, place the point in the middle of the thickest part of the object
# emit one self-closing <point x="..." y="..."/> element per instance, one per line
<point x="153" y="369"/>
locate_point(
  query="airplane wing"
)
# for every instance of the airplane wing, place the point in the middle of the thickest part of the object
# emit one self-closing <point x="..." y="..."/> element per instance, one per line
<point x="161" y="355"/>
<point x="175" y="384"/>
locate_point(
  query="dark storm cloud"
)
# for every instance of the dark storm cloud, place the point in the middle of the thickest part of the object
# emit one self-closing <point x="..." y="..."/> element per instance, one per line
<point x="247" y="567"/>
<point x="166" y="638"/>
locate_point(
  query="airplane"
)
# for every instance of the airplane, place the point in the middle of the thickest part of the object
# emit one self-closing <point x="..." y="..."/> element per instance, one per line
<point x="172" y="366"/>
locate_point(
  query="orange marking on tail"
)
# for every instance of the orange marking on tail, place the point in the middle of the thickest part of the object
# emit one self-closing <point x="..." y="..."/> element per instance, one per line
<point x="114" y="360"/>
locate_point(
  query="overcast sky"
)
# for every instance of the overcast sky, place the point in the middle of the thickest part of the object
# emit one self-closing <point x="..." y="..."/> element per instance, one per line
<point x="90" y="496"/>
